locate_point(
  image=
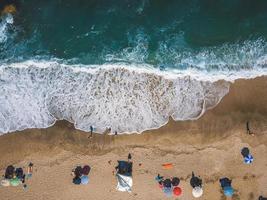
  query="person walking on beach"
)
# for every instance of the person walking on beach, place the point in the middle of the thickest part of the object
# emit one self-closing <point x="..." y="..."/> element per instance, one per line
<point x="91" y="132"/>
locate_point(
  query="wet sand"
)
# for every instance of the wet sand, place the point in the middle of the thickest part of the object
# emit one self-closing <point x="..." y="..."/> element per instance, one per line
<point x="209" y="146"/>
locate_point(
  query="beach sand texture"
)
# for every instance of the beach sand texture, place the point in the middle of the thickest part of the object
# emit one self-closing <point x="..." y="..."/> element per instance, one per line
<point x="209" y="146"/>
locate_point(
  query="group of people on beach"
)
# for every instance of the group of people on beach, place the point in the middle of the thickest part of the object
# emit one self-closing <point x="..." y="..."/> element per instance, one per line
<point x="169" y="186"/>
<point x="80" y="175"/>
<point x="16" y="176"/>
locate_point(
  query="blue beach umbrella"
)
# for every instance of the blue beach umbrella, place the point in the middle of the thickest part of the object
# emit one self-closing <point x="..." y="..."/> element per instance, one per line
<point x="248" y="159"/>
<point x="84" y="180"/>
<point x="167" y="191"/>
<point x="228" y="191"/>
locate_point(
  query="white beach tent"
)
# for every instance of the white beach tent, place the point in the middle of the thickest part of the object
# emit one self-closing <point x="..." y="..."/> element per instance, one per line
<point x="125" y="183"/>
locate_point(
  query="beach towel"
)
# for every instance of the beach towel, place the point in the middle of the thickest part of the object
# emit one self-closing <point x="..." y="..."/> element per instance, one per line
<point x="5" y="182"/>
<point x="125" y="183"/>
<point x="15" y="182"/>
<point x="167" y="166"/>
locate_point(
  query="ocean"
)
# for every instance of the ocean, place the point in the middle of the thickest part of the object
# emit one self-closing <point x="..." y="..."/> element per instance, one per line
<point x="123" y="64"/>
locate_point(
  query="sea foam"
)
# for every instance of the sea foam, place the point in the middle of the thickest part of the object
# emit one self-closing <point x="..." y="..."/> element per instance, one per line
<point x="123" y="97"/>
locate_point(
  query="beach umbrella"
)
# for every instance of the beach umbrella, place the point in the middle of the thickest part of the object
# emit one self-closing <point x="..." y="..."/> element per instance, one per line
<point x="86" y="170"/>
<point x="5" y="182"/>
<point x="167" y="191"/>
<point x="167" y="183"/>
<point x="175" y="181"/>
<point x="195" y="181"/>
<point x="228" y="191"/>
<point x="177" y="191"/>
<point x="248" y="159"/>
<point x="84" y="180"/>
<point x="76" y="180"/>
<point x="197" y="192"/>
<point x="78" y="171"/>
<point x="14" y="182"/>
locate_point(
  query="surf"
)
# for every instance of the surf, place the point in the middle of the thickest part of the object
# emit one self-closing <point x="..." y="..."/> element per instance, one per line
<point x="127" y="99"/>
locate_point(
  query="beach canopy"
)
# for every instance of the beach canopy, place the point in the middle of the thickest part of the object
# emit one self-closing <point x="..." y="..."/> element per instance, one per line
<point x="125" y="183"/>
<point x="177" y="191"/>
<point x="248" y="159"/>
<point x="86" y="170"/>
<point x="228" y="191"/>
<point x="175" y="181"/>
<point x="14" y="182"/>
<point x="84" y="180"/>
<point x="197" y="192"/>
<point x="5" y="182"/>
<point x="125" y="168"/>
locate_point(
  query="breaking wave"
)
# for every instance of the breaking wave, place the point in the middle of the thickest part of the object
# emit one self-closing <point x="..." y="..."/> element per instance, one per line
<point x="34" y="94"/>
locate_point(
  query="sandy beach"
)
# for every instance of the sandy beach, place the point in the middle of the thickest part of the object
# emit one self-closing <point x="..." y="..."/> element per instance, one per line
<point x="209" y="146"/>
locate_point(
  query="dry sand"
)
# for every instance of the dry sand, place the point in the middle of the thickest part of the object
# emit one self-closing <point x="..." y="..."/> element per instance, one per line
<point x="209" y="146"/>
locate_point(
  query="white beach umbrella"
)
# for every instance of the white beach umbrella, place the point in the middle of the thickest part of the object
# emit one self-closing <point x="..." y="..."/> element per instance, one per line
<point x="197" y="192"/>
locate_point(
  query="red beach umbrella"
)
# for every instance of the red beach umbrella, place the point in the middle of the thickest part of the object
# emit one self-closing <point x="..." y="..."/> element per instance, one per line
<point x="177" y="191"/>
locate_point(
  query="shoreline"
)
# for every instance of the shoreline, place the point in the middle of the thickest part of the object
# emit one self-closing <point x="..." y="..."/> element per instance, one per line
<point x="210" y="146"/>
<point x="161" y="100"/>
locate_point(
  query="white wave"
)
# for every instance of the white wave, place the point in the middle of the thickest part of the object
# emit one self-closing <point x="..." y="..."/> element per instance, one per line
<point x="34" y="94"/>
<point x="137" y="50"/>
<point x="245" y="55"/>
<point x="5" y="21"/>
